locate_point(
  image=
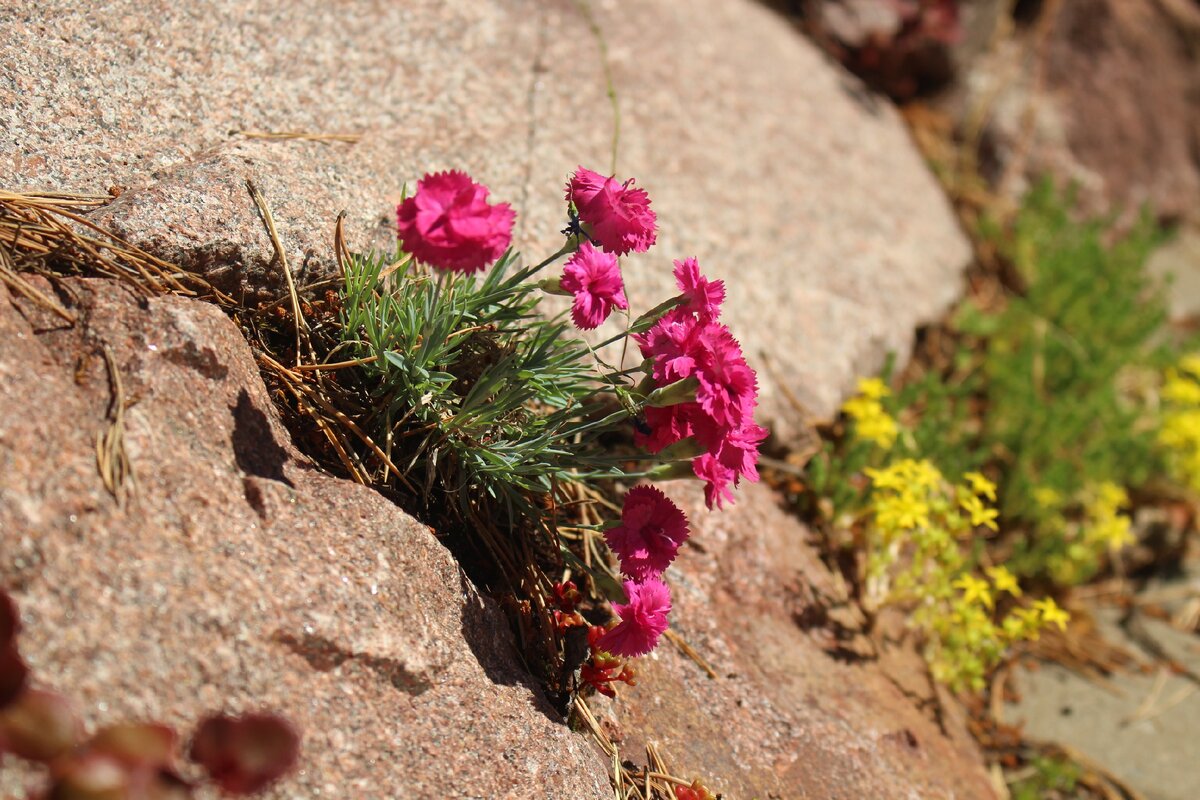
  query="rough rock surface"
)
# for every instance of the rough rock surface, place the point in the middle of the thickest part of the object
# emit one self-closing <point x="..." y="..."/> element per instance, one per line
<point x="1110" y="101"/>
<point x="778" y="171"/>
<point x="1141" y="724"/>
<point x="239" y="576"/>
<point x="797" y="710"/>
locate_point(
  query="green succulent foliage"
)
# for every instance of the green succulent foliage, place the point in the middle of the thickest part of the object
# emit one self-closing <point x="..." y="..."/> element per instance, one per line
<point x="936" y="410"/>
<point x="1047" y="778"/>
<point x="473" y="389"/>
<point x="1059" y="376"/>
<point x="1050" y="394"/>
<point x="1061" y="362"/>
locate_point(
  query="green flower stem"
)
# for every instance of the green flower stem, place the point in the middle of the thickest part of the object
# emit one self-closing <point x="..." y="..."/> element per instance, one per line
<point x="672" y="470"/>
<point x="571" y="245"/>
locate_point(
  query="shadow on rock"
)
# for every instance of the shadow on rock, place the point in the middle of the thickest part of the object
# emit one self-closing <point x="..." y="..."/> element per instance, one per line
<point x="254" y="445"/>
<point x="485" y="630"/>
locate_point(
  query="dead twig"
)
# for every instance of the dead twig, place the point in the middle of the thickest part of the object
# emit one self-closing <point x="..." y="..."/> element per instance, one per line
<point x="690" y="652"/>
<point x="269" y="221"/>
<point x="348" y="138"/>
<point x="112" y="459"/>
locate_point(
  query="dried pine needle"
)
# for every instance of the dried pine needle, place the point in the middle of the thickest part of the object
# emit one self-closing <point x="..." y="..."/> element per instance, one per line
<point x="348" y="138"/>
<point x="112" y="459"/>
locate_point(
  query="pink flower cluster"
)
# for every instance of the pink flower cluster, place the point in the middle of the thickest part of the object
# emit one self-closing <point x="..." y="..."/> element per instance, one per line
<point x="689" y="343"/>
<point x="449" y="224"/>
<point x="595" y="279"/>
<point x="651" y="531"/>
<point x="618" y="217"/>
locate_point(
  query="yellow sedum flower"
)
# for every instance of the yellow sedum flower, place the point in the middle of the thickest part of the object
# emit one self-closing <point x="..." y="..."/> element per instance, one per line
<point x="1116" y="532"/>
<point x="1180" y="389"/>
<point x="922" y="473"/>
<point x="1105" y="523"/>
<point x="974" y="589"/>
<point x="1003" y="580"/>
<point x="902" y="513"/>
<point x="979" y="513"/>
<point x="1179" y="433"/>
<point x="873" y="388"/>
<point x="1023" y="623"/>
<point x="1111" y="497"/>
<point x="1050" y="613"/>
<point x="872" y="423"/>
<point x="1191" y="365"/>
<point x="885" y="478"/>
<point x="981" y="486"/>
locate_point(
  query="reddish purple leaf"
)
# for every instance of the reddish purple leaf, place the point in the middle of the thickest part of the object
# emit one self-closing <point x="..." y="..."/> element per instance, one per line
<point x="146" y="744"/>
<point x="39" y="726"/>
<point x="13" y="672"/>
<point x="245" y="754"/>
<point x="13" y="676"/>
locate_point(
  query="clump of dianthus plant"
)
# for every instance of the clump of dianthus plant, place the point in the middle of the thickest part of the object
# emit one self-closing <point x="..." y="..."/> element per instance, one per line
<point x="487" y="408"/>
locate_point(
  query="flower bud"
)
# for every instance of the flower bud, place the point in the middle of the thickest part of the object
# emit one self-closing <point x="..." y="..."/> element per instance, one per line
<point x="673" y="394"/>
<point x="553" y="286"/>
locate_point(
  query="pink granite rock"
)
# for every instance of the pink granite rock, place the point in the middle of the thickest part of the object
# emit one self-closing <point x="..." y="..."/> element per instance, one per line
<point x="239" y="577"/>
<point x="762" y="159"/>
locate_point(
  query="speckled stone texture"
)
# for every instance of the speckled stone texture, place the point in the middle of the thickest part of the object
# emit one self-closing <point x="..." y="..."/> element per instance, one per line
<point x="773" y="167"/>
<point x="241" y="577"/>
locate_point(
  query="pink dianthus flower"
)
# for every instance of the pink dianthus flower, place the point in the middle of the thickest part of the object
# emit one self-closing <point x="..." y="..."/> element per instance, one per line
<point x="594" y="277"/>
<point x="688" y="342"/>
<point x="643" y="619"/>
<point x="651" y="531"/>
<point x="449" y="224"/>
<point x="738" y="451"/>
<point x="704" y="297"/>
<point x="728" y="387"/>
<point x="672" y="343"/>
<point x="618" y="214"/>
<point x="717" y="479"/>
<point x="665" y="426"/>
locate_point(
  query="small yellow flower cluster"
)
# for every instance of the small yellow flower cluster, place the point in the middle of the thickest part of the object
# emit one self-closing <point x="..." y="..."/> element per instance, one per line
<point x="1106" y="523"/>
<point x="1100" y="527"/>
<point x="912" y="504"/>
<point x="871" y="422"/>
<point x="964" y="641"/>
<point x="917" y="524"/>
<point x="1179" y="435"/>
